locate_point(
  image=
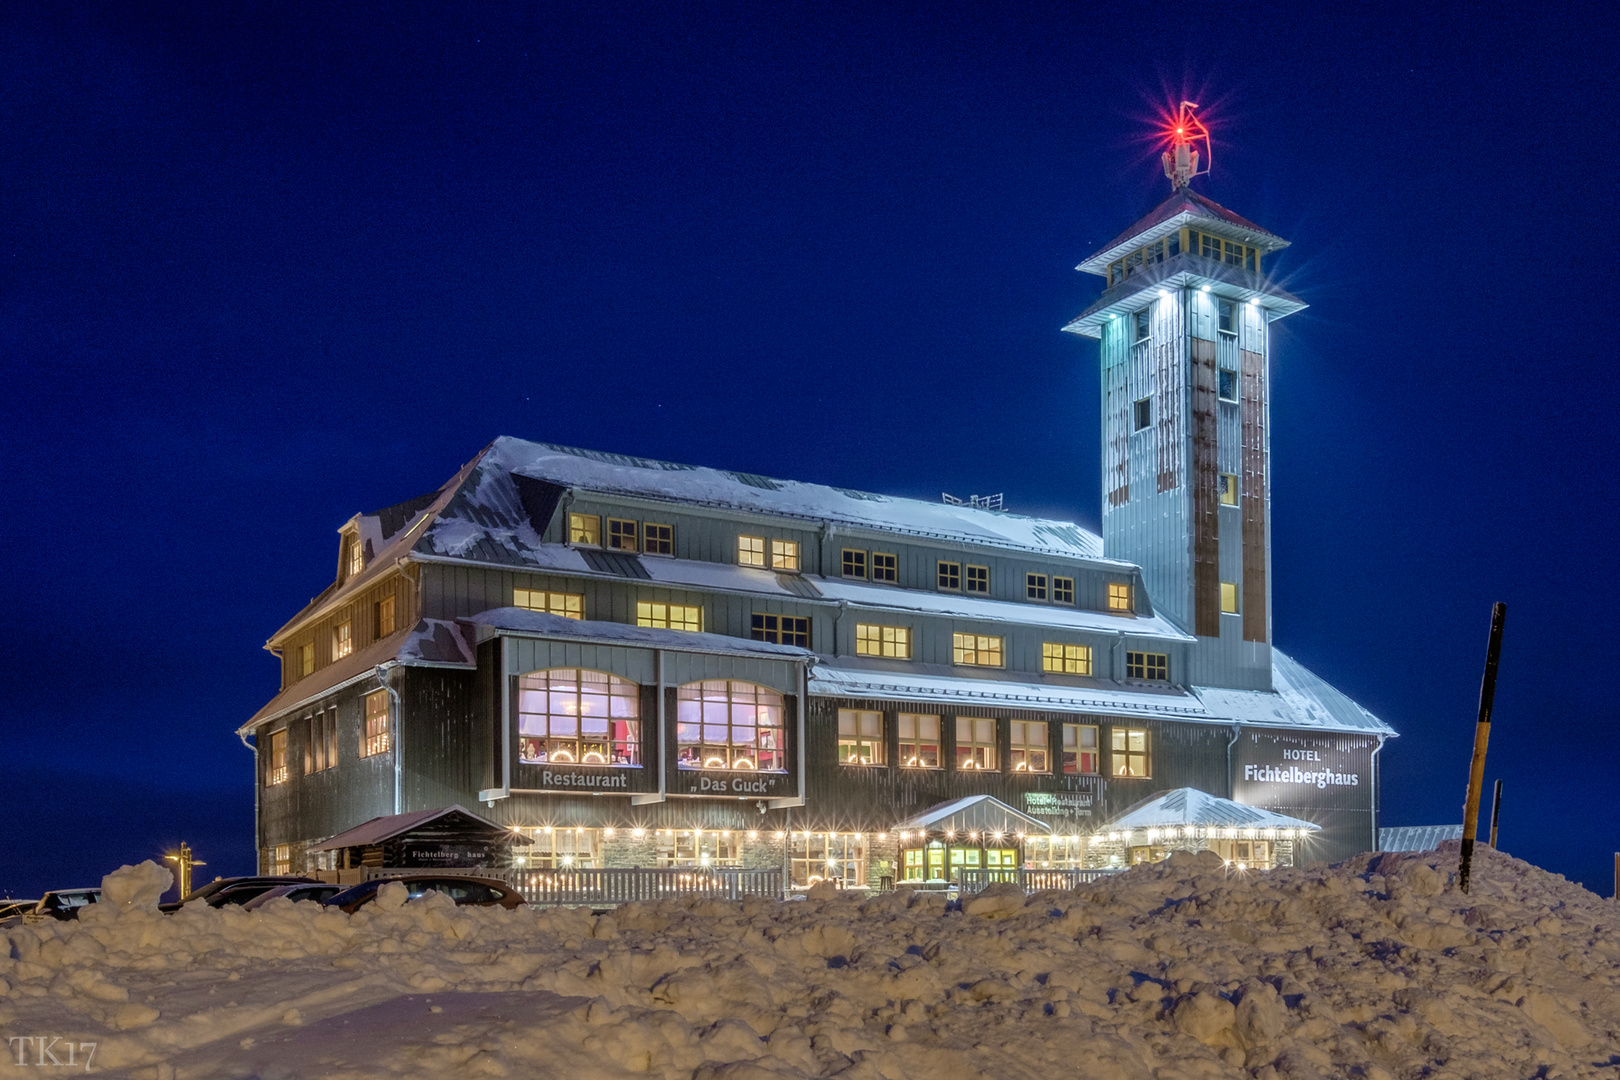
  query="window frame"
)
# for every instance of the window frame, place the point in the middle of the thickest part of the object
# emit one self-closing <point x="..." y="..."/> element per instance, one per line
<point x="870" y="744"/>
<point x="1141" y="414"/>
<point x="844" y="854"/>
<point x="276" y="771"/>
<point x="374" y="728"/>
<point x="1223" y="377"/>
<point x="759" y="629"/>
<point x="565" y="604"/>
<point x="1230" y="594"/>
<point x="704" y="848"/>
<point x="628" y="532"/>
<point x="705" y="724"/>
<point x="891" y="568"/>
<point x="1120" y="599"/>
<point x="585" y="529"/>
<point x="1227" y="485"/>
<point x="976" y="755"/>
<point x="785" y="556"/>
<point x="1119" y="739"/>
<point x="1036" y="587"/>
<point x="343" y="639"/>
<point x="855" y="563"/>
<point x="746" y="553"/>
<point x="662" y="544"/>
<point x="540" y="692"/>
<point x="1065" y="586"/>
<point x="1069" y="658"/>
<point x="888" y="642"/>
<point x="355" y="556"/>
<point x="918" y="742"/>
<point x="961" y="648"/>
<point x="976" y="580"/>
<point x="1080" y="751"/>
<point x="306" y="659"/>
<point x="647" y="616"/>
<point x="388" y="606"/>
<point x="560" y="849"/>
<point x="1142" y="325"/>
<point x="1037" y="758"/>
<point x="948" y="576"/>
<point x="1145" y="664"/>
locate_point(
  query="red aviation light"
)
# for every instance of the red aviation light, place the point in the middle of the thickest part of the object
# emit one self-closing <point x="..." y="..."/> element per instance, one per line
<point x="1189" y="139"/>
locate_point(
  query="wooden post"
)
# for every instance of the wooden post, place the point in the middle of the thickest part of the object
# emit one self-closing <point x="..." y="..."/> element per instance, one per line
<point x="1482" y="737"/>
<point x="1496" y="813"/>
<point x="1617" y="875"/>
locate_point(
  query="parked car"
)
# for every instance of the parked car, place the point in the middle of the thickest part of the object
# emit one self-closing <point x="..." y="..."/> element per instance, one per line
<point x="62" y="904"/>
<point x="18" y="908"/>
<point x="464" y="889"/>
<point x="294" y="893"/>
<point x="237" y="890"/>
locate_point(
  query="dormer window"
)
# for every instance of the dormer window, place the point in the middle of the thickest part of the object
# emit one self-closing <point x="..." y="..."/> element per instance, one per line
<point x="354" y="559"/>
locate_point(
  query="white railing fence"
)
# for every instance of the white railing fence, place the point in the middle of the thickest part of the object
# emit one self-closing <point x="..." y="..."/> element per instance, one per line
<point x="973" y="882"/>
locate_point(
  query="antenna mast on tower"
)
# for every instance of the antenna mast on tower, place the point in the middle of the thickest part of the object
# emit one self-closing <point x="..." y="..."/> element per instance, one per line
<point x="1181" y="160"/>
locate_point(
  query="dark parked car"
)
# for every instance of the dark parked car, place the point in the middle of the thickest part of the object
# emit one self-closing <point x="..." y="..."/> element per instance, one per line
<point x="63" y="903"/>
<point x="294" y="893"/>
<point x="237" y="890"/>
<point x="9" y="908"/>
<point x="465" y="890"/>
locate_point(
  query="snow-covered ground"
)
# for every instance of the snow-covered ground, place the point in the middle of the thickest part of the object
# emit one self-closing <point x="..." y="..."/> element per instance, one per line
<point x="1372" y="969"/>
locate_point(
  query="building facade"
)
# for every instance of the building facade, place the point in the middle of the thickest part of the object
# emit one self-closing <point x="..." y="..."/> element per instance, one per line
<point x="637" y="663"/>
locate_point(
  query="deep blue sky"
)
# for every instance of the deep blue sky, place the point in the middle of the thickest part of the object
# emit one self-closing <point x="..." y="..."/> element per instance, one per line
<point x="263" y="269"/>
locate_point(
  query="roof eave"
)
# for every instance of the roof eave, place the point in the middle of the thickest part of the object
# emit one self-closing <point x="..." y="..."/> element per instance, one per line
<point x="1230" y="282"/>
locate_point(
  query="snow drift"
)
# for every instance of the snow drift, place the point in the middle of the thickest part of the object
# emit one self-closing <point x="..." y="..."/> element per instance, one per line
<point x="1375" y="968"/>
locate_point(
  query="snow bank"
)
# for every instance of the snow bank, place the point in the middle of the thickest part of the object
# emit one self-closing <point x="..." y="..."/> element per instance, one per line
<point x="136" y="886"/>
<point x="1375" y="968"/>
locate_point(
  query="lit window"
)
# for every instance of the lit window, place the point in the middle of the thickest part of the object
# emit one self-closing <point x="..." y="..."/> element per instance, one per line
<point x="1080" y="748"/>
<point x="277" y="763"/>
<point x="885" y="567"/>
<point x="342" y="641"/>
<point x="1229" y="597"/>
<point x="978" y="579"/>
<point x="559" y="849"/>
<point x="623" y="535"/>
<point x="281" y="859"/>
<point x="781" y="629"/>
<point x="722" y="724"/>
<point x="1228" y="489"/>
<point x="357" y="556"/>
<point x="1142" y="412"/>
<point x="1223" y="318"/>
<point x="950" y="576"/>
<point x="1027" y="747"/>
<point x="860" y="737"/>
<point x="658" y="539"/>
<point x="854" y="563"/>
<point x="1119" y="596"/>
<point x="306" y="658"/>
<point x="1227" y="383"/>
<point x="888" y="641"/>
<point x="1142" y="325"/>
<point x="574" y="716"/>
<point x="976" y="650"/>
<point x="376" y="737"/>
<point x="750" y="551"/>
<point x="1066" y="659"/>
<point x="584" y="529"/>
<point x="975" y="743"/>
<point x="1153" y="666"/>
<point x="839" y="857"/>
<point x="383" y="610"/>
<point x="1130" y="756"/>
<point x="669" y="616"/>
<point x="567" y="604"/>
<point x="784" y="554"/>
<point x="698" y="848"/>
<point x="1035" y="586"/>
<point x="1063" y="590"/>
<point x="919" y="741"/>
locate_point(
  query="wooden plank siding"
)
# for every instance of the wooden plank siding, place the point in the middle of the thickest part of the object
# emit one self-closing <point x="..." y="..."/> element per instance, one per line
<point x="1206" y="577"/>
<point x="359" y="612"/>
<point x="1256" y="600"/>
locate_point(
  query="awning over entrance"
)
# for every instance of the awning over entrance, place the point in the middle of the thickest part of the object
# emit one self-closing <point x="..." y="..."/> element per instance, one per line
<point x="975" y="814"/>
<point x="1189" y="806"/>
<point x="447" y="821"/>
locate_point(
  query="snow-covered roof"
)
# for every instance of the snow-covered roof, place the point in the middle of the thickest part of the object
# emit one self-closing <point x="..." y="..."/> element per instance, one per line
<point x="379" y="829"/>
<point x="1417" y="837"/>
<point x="522" y="620"/>
<point x="975" y="813"/>
<point x="1302" y="700"/>
<point x="1189" y="806"/>
<point x="491" y="507"/>
<point x="970" y="607"/>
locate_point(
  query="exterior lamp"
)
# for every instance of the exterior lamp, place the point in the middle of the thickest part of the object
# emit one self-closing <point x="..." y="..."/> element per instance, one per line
<point x="1203" y="288"/>
<point x="781" y="835"/>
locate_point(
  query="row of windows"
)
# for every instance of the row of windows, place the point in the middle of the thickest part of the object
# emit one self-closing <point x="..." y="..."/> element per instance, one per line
<point x="321" y="740"/>
<point x="383" y="623"/>
<point x="862" y="741"/>
<point x="623" y="534"/>
<point x="1194" y="243"/>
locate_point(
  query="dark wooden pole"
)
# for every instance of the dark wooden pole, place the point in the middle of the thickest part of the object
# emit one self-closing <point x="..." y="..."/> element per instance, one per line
<point x="1496" y="813"/>
<point x="1482" y="738"/>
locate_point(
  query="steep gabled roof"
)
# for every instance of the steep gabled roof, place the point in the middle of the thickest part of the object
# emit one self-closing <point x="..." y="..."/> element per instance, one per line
<point x="1190" y="806"/>
<point x="1183" y="207"/>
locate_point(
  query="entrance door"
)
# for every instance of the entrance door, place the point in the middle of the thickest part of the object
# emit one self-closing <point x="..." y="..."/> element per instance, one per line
<point x="1001" y="862"/>
<point x="964" y="859"/>
<point x="936" y="862"/>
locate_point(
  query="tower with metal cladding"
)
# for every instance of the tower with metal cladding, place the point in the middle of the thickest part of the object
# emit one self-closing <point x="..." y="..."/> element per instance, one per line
<point x="1184" y="329"/>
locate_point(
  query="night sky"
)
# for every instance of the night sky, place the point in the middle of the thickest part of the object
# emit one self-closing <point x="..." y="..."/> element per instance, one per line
<point x="264" y="269"/>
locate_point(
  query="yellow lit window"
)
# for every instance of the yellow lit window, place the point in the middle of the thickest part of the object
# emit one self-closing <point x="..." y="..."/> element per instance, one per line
<point x="1130" y="756"/>
<point x="623" y="535"/>
<point x="860" y="737"/>
<point x="950" y="575"/>
<point x="854" y="563"/>
<point x="384" y="611"/>
<point x="750" y="551"/>
<point x="1027" y="750"/>
<point x="669" y="616"/>
<point x="1229" y="599"/>
<point x="1119" y="597"/>
<point x="1080" y="748"/>
<point x="978" y="579"/>
<point x="1063" y="590"/>
<point x="976" y="650"/>
<point x="1228" y="489"/>
<point x="975" y="743"/>
<point x="890" y="641"/>
<point x="658" y="539"/>
<point x="376" y="737"/>
<point x="584" y="529"/>
<point x="568" y="605"/>
<point x="1066" y="659"/>
<point x="1035" y="586"/>
<point x="342" y="641"/>
<point x="357" y="556"/>
<point x="919" y="741"/>
<point x="278" y="757"/>
<point x="885" y="567"/>
<point x="784" y="554"/>
<point x="281" y="859"/>
<point x="1154" y="666"/>
<point x="306" y="658"/>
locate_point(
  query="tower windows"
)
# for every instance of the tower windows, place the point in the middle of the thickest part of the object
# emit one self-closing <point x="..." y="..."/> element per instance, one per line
<point x="1227" y="385"/>
<point x="1229" y="598"/>
<point x="1142" y="414"/>
<point x="1228" y="489"/>
<point x="1223" y="310"/>
<point x="1142" y="325"/>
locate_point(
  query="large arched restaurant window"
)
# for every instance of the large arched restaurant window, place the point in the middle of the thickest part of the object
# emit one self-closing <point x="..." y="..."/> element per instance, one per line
<point x="575" y="716"/>
<point x="724" y="724"/>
